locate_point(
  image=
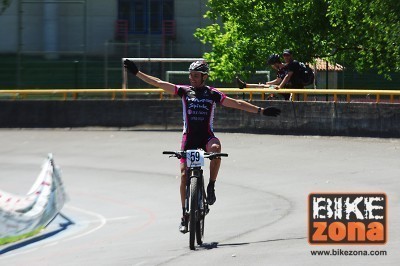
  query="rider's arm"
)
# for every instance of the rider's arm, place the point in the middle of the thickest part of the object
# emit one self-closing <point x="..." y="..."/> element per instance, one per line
<point x="131" y="67"/>
<point x="285" y="80"/>
<point x="248" y="107"/>
<point x="274" y="82"/>
<point x="156" y="82"/>
<point x="241" y="105"/>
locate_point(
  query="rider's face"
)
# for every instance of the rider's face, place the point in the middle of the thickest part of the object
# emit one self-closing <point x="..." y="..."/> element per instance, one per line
<point x="197" y="79"/>
<point x="287" y="58"/>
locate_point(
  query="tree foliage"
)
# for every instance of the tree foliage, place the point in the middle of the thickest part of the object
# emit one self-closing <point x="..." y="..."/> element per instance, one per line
<point x="361" y="34"/>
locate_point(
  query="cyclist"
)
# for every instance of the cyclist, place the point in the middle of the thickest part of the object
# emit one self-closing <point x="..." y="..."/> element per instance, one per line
<point x="198" y="102"/>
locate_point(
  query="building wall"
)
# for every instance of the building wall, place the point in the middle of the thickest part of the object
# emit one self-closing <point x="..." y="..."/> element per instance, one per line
<point x="189" y="17"/>
<point x="101" y="17"/>
<point x="101" y="23"/>
<point x="9" y="29"/>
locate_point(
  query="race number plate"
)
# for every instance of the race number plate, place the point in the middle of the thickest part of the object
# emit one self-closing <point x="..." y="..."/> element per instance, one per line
<point x="195" y="158"/>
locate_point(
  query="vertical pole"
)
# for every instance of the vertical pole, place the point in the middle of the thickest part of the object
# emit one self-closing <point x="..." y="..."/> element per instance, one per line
<point x="76" y="62"/>
<point x="106" y="64"/>
<point x="124" y="77"/>
<point x="343" y="77"/>
<point x="200" y="16"/>
<point x="170" y="53"/>
<point x="149" y="31"/>
<point x="84" y="67"/>
<point x="327" y="75"/>
<point x="19" y="45"/>
<point x="50" y="29"/>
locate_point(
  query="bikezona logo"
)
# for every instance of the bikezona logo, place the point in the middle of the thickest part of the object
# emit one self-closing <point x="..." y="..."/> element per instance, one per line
<point x="347" y="218"/>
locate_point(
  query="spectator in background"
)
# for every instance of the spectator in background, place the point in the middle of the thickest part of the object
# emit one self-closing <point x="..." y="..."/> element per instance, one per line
<point x="292" y="79"/>
<point x="275" y="62"/>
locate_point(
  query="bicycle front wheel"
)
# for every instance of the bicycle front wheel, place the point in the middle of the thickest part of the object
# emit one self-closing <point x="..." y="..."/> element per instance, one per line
<point x="193" y="211"/>
<point x="200" y="229"/>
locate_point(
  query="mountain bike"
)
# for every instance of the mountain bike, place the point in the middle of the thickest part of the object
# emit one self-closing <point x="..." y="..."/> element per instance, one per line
<point x="196" y="205"/>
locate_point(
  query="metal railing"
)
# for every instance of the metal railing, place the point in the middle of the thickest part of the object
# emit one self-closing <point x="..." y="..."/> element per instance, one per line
<point x="306" y="92"/>
<point x="65" y="94"/>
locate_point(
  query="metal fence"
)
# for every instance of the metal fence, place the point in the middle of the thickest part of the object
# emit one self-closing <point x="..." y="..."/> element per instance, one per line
<point x="75" y="71"/>
<point x="342" y="95"/>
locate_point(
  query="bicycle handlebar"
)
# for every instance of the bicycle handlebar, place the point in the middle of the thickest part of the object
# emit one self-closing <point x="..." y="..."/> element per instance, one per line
<point x="209" y="155"/>
<point x="169" y="152"/>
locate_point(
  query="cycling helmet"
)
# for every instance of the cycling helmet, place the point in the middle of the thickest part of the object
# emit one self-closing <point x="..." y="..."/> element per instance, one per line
<point x="273" y="59"/>
<point x="199" y="66"/>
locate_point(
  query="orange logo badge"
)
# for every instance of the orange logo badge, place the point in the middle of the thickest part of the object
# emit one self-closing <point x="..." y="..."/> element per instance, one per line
<point x="347" y="218"/>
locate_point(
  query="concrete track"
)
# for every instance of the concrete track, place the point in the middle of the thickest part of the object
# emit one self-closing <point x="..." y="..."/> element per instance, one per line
<point x="124" y="204"/>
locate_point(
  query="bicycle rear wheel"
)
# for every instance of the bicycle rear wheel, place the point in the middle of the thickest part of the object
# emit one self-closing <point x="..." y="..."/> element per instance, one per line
<point x="193" y="212"/>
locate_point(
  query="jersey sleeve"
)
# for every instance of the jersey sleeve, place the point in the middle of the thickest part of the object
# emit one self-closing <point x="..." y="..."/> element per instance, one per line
<point x="217" y="95"/>
<point x="180" y="90"/>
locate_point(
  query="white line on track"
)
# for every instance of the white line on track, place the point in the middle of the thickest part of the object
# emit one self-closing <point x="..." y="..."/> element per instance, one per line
<point x="107" y="219"/>
<point x="101" y="218"/>
<point x="140" y="263"/>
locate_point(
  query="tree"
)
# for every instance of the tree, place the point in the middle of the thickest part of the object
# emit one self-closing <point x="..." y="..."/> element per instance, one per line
<point x="363" y="34"/>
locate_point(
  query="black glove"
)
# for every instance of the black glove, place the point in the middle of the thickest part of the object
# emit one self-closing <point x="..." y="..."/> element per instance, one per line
<point x="131" y="66"/>
<point x="240" y="83"/>
<point x="271" y="111"/>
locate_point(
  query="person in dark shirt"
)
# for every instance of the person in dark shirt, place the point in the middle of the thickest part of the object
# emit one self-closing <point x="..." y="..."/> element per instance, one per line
<point x="198" y="102"/>
<point x="275" y="62"/>
<point x="293" y="77"/>
<point x="282" y="71"/>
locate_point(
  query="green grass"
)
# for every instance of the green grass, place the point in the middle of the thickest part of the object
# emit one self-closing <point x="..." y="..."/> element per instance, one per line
<point x="12" y="239"/>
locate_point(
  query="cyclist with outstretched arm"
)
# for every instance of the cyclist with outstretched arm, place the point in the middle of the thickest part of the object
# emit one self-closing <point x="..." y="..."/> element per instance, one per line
<point x="199" y="102"/>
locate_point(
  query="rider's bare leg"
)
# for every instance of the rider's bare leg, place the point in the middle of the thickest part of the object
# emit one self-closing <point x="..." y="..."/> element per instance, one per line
<point x="214" y="145"/>
<point x="183" y="184"/>
<point x="257" y="86"/>
<point x="183" y="225"/>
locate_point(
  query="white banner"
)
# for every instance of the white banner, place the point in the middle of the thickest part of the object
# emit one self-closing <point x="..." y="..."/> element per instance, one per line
<point x="23" y="214"/>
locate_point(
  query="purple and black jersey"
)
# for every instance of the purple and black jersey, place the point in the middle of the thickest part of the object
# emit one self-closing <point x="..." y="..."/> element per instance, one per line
<point x="198" y="114"/>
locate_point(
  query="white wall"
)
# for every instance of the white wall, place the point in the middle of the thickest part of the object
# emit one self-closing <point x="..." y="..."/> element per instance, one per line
<point x="101" y="16"/>
<point x="8" y="29"/>
<point x="189" y="17"/>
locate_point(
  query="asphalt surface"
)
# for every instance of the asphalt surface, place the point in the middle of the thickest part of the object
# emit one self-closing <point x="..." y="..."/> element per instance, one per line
<point x="124" y="204"/>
